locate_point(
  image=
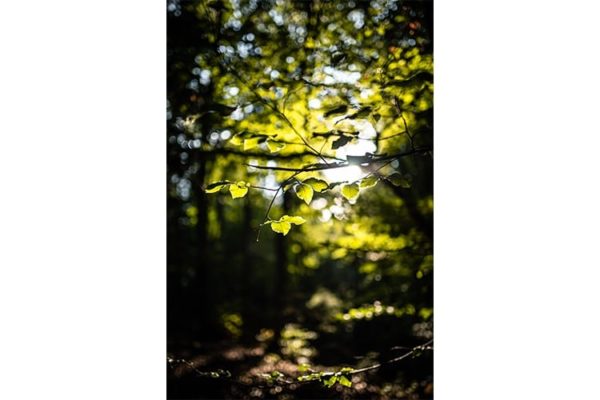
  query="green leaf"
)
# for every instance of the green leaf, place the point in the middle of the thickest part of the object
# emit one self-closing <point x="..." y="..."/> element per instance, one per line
<point x="397" y="179"/>
<point x="305" y="192"/>
<point x="284" y="224"/>
<point x="216" y="186"/>
<point x="336" y="110"/>
<point x="415" y="79"/>
<point x="329" y="382"/>
<point x="238" y="189"/>
<point x="251" y="143"/>
<point x="293" y="219"/>
<point x="274" y="146"/>
<point x="317" y="184"/>
<point x="281" y="227"/>
<point x="341" y="141"/>
<point x="304" y="368"/>
<point x="344" y="381"/>
<point x="369" y="181"/>
<point x="351" y="191"/>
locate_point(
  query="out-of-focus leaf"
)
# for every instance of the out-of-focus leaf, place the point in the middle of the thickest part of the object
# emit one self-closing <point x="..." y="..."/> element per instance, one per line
<point x="274" y="146"/>
<point x="336" y="111"/>
<point x="217" y="5"/>
<point x="362" y="113"/>
<point x="341" y="141"/>
<point x="398" y="179"/>
<point x="415" y="79"/>
<point x="251" y="143"/>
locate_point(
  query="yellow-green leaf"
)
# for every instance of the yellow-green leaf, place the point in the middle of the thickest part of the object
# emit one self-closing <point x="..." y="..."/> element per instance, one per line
<point x="274" y="146"/>
<point x="344" y="381"/>
<point x="317" y="184"/>
<point x="216" y="186"/>
<point x="251" y="143"/>
<point x="293" y="219"/>
<point x="236" y="140"/>
<point x="281" y="227"/>
<point x="238" y="189"/>
<point x="369" y="181"/>
<point x="305" y="192"/>
<point x="351" y="191"/>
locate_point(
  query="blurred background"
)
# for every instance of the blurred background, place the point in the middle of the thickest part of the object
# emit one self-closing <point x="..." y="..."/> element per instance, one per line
<point x="248" y="82"/>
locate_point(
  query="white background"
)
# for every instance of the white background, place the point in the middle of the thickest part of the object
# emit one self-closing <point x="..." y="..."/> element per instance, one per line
<point x="82" y="204"/>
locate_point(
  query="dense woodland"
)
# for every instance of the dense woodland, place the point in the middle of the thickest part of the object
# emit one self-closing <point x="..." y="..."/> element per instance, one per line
<point x="300" y="199"/>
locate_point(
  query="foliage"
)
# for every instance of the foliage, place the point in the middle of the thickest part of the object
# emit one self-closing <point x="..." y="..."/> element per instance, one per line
<point x="314" y="118"/>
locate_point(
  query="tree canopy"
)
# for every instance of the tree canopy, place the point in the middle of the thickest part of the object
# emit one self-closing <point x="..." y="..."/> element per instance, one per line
<point x="300" y="198"/>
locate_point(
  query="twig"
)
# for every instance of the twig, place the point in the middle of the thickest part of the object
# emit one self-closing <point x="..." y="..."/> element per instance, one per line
<point x="321" y="167"/>
<point x="424" y="346"/>
<point x="266" y="218"/>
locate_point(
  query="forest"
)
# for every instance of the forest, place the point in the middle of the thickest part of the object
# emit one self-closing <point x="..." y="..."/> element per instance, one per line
<point x="299" y="199"/>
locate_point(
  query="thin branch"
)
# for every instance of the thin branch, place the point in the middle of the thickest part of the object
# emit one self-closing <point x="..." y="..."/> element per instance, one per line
<point x="266" y="218"/>
<point x="321" y="167"/>
<point x="424" y="346"/>
<point x="278" y="112"/>
<point x="287" y="382"/>
<point x="270" y="156"/>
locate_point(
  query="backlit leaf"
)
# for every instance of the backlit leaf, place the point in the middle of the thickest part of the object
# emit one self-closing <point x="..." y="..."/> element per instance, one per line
<point x="329" y="382"/>
<point x="344" y="381"/>
<point x="236" y="140"/>
<point x="351" y="191"/>
<point x="238" y="189"/>
<point x="216" y="186"/>
<point x="281" y="227"/>
<point x="284" y="224"/>
<point x="293" y="219"/>
<point x="305" y="192"/>
<point x="369" y="181"/>
<point x="317" y="184"/>
<point x="251" y="143"/>
<point x="274" y="146"/>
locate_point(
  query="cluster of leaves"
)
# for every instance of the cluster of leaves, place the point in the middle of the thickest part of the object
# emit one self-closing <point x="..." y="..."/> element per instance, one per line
<point x="306" y="189"/>
<point x="328" y="379"/>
